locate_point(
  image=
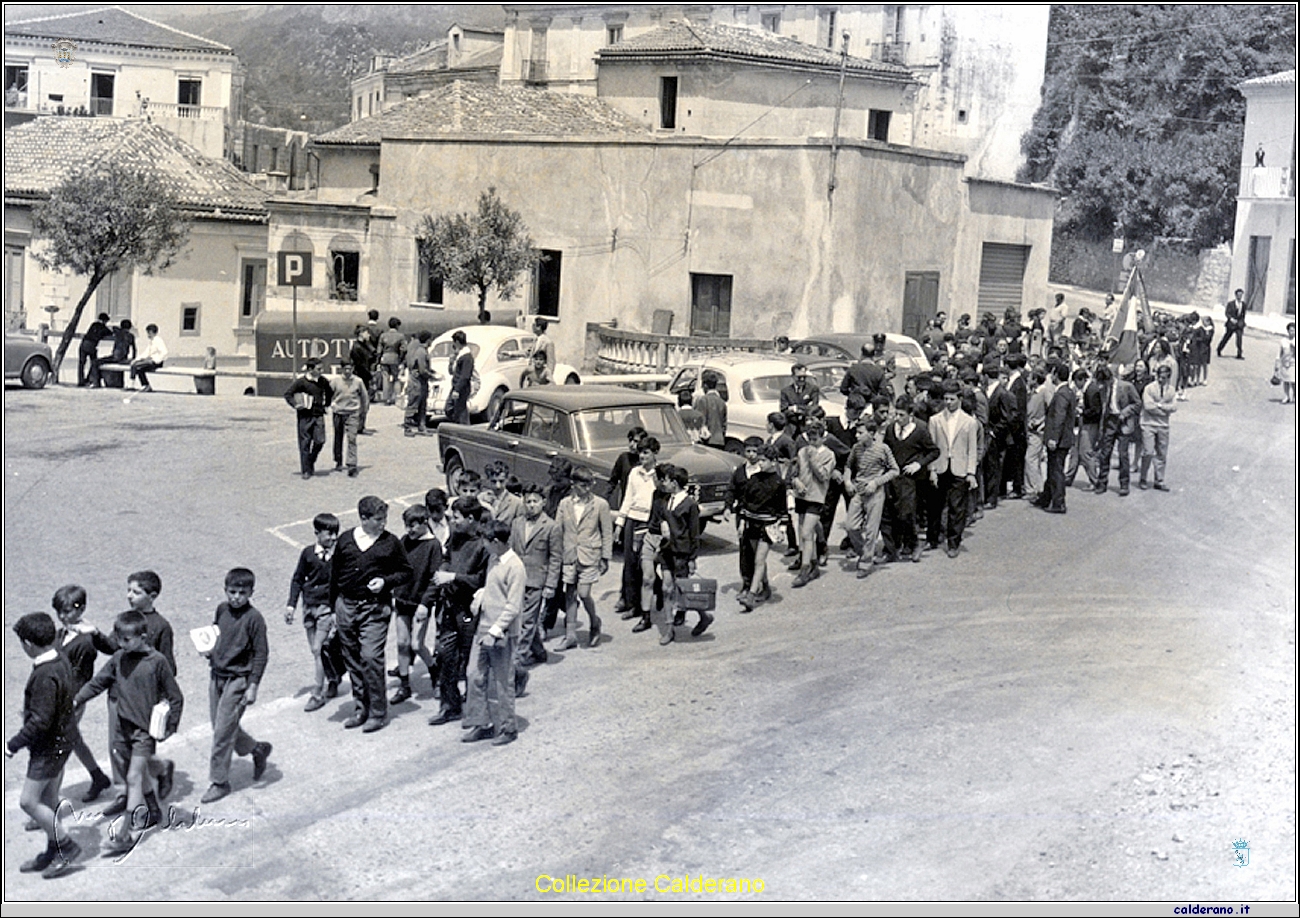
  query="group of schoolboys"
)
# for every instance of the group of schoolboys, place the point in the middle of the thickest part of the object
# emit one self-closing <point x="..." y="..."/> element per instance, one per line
<point x="144" y="708"/>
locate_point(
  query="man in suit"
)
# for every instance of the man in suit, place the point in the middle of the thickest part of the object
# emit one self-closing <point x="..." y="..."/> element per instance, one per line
<point x="910" y="442"/>
<point x="536" y="539"/>
<point x="1058" y="434"/>
<point x="1234" y="314"/>
<point x="462" y="374"/>
<point x="1089" y="412"/>
<point x="587" y="527"/>
<point x="802" y="392"/>
<point x="1002" y="415"/>
<point x="952" y="475"/>
<point x="865" y="376"/>
<point x="1120" y="407"/>
<point x="1013" y="466"/>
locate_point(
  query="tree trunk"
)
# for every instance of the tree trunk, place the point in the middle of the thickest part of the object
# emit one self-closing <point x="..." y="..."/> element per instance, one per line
<point x="482" y="302"/>
<point x="71" y="330"/>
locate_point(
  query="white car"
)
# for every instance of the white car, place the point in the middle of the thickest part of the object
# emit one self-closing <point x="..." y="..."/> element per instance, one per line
<point x="751" y="386"/>
<point x="500" y="360"/>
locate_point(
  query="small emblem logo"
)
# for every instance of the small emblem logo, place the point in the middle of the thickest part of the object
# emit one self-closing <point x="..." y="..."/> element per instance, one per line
<point x="63" y="49"/>
<point x="1241" y="852"/>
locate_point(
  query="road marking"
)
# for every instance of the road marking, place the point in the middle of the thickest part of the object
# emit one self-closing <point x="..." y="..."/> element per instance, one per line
<point x="405" y="500"/>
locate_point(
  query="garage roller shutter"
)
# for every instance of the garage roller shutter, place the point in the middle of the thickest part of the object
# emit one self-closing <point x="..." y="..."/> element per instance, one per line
<point x="1002" y="277"/>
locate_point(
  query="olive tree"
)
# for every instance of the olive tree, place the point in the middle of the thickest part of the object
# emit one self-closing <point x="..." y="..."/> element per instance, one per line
<point x="480" y="251"/>
<point x="105" y="218"/>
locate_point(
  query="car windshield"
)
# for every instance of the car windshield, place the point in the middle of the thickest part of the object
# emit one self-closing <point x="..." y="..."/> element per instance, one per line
<point x="829" y="376"/>
<point x="606" y="428"/>
<point x="764" y="388"/>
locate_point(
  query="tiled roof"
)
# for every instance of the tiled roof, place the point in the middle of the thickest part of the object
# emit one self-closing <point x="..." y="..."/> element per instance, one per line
<point x="1285" y="78"/>
<point x="40" y="153"/>
<point x="679" y="40"/>
<point x="113" y="25"/>
<point x="432" y="57"/>
<point x="480" y="108"/>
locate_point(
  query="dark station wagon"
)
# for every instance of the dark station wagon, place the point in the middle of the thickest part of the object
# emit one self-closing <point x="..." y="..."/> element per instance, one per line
<point x="587" y="425"/>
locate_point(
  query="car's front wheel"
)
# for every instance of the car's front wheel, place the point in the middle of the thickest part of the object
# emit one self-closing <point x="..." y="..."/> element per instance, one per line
<point x="36" y="374"/>
<point x="454" y="470"/>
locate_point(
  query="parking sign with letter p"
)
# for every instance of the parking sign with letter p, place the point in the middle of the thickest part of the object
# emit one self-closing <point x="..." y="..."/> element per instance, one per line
<point x="293" y="269"/>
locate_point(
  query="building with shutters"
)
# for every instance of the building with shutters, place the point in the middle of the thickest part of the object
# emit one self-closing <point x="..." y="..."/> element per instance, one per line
<point x="733" y="238"/>
<point x="125" y="66"/>
<point x="1263" y="252"/>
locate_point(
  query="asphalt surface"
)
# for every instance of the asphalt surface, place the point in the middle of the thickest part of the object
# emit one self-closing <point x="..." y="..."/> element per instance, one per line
<point x="1091" y="706"/>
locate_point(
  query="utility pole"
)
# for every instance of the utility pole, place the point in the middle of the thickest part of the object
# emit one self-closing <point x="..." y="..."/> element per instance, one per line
<point x="835" y="131"/>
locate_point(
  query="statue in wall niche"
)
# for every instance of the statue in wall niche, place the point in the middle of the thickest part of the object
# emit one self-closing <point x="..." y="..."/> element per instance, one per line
<point x="1259" y="157"/>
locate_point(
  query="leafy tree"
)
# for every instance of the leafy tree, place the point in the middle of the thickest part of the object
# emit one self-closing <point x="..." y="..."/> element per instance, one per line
<point x="476" y="252"/>
<point x="1140" y="121"/>
<point x="105" y="218"/>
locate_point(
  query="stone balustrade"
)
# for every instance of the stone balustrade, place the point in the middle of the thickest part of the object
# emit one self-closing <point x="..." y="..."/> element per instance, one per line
<point x="620" y="351"/>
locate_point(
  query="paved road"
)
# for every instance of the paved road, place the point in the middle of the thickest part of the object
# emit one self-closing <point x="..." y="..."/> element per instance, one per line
<point x="1083" y="707"/>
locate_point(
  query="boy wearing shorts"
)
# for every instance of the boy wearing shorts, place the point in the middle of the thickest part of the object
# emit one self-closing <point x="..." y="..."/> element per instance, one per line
<point x="140" y="678"/>
<point x="311" y="583"/>
<point x="587" y="531"/>
<point x="48" y="733"/>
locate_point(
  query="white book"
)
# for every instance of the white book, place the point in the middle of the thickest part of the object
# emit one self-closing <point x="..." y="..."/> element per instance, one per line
<point x="158" y="720"/>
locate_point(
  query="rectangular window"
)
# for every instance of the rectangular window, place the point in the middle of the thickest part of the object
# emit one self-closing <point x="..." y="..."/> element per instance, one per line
<point x="772" y="22"/>
<point x="668" y="103"/>
<point x="15" y="260"/>
<point x="189" y="96"/>
<point x="826" y="28"/>
<point x="15" y="85"/>
<point x="428" y="287"/>
<point x="190" y="320"/>
<point x="546" y="284"/>
<point x="878" y="125"/>
<point x="893" y="24"/>
<point x="101" y="94"/>
<point x="252" y="291"/>
<point x="711" y="305"/>
<point x="113" y="295"/>
<point x="345" y="275"/>
<point x="613" y="34"/>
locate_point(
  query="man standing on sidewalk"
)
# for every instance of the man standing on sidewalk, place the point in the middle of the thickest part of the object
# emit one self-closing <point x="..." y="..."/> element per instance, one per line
<point x="417" y="385"/>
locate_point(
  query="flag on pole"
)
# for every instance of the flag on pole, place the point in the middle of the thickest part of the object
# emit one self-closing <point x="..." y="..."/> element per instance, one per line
<point x="1122" y="337"/>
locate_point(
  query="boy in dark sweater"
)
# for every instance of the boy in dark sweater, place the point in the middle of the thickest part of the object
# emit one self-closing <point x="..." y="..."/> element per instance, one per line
<point x="139" y="678"/>
<point x="311" y="582"/>
<point x="412" y="600"/>
<point x="761" y="507"/>
<point x="81" y="643"/>
<point x="369" y="563"/>
<point x="142" y="590"/>
<point x="463" y="573"/>
<point x="48" y="732"/>
<point x="238" y="660"/>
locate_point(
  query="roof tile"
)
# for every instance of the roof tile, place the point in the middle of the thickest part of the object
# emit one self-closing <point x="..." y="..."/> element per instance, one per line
<point x="479" y="108"/>
<point x="676" y="39"/>
<point x="39" y="154"/>
<point x="112" y="25"/>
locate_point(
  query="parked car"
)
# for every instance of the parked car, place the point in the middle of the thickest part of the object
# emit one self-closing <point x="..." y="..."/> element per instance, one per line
<point x="27" y="360"/>
<point x="751" y="386"/>
<point x="587" y="425"/>
<point x="500" y="359"/>
<point x="909" y="359"/>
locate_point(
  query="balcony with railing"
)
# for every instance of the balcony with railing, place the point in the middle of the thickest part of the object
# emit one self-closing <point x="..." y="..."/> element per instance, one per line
<point x="101" y="107"/>
<point x="186" y="112"/>
<point x="889" y="52"/>
<point x="1269" y="182"/>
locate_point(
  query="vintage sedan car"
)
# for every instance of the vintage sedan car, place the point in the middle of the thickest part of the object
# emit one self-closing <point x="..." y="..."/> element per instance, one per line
<point x="909" y="359"/>
<point x="587" y="425"/>
<point x="27" y="360"/>
<point x="500" y="359"/>
<point x="751" y="386"/>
